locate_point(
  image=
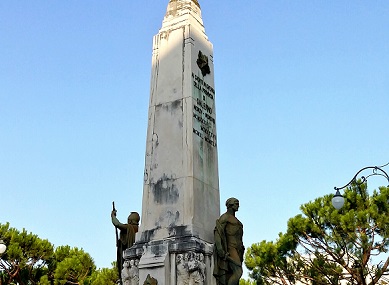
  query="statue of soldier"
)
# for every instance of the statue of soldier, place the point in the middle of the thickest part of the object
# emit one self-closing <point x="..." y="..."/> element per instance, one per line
<point x="229" y="247"/>
<point x="127" y="235"/>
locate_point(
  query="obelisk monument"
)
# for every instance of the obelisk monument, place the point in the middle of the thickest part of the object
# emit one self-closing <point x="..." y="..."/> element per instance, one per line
<point x="181" y="185"/>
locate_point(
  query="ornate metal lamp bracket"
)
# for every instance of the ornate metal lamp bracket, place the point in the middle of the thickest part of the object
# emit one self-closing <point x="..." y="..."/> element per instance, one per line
<point x="376" y="170"/>
<point x="338" y="199"/>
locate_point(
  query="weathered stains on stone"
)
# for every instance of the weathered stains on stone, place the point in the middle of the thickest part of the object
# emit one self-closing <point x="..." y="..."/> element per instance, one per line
<point x="165" y="191"/>
<point x="171" y="107"/>
<point x="155" y="140"/>
<point x="145" y="176"/>
<point x="147" y="235"/>
<point x="176" y="104"/>
<point x="179" y="231"/>
<point x="175" y="109"/>
<point x="168" y="218"/>
<point x="159" y="249"/>
<point x="174" y="217"/>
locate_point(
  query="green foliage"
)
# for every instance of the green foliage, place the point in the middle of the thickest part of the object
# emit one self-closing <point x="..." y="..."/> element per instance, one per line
<point x="31" y="260"/>
<point x="247" y="282"/>
<point x="323" y="245"/>
<point x="73" y="266"/>
<point x="105" y="276"/>
<point x="26" y="256"/>
<point x="44" y="280"/>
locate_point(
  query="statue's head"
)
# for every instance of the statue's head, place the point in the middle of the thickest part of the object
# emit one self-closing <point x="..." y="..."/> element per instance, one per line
<point x="133" y="218"/>
<point x="179" y="257"/>
<point x="232" y="202"/>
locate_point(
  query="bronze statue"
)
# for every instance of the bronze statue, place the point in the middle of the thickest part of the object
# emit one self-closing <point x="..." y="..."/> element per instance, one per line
<point x="229" y="247"/>
<point x="127" y="235"/>
<point x="150" y="280"/>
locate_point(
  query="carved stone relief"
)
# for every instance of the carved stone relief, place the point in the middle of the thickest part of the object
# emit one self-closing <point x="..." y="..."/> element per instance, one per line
<point x="190" y="268"/>
<point x="130" y="272"/>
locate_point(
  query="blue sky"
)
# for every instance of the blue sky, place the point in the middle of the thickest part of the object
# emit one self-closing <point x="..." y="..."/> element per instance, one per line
<point x="302" y="91"/>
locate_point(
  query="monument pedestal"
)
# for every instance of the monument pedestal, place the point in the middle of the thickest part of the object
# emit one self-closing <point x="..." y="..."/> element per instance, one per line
<point x="175" y="261"/>
<point x="181" y="199"/>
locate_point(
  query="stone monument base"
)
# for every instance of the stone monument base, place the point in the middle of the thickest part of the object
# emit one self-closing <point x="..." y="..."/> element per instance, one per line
<point x="176" y="261"/>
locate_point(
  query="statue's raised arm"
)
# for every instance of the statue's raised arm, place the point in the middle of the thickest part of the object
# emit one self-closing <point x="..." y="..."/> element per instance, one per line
<point x="127" y="235"/>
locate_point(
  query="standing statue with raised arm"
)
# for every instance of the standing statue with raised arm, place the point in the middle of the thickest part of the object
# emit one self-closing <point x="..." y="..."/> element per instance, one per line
<point x="126" y="237"/>
<point x="229" y="247"/>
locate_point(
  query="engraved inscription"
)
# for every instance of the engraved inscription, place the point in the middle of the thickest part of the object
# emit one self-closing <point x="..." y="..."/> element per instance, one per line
<point x="203" y="111"/>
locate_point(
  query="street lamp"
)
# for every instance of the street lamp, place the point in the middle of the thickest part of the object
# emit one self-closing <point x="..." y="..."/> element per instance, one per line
<point x="338" y="199"/>
<point x="3" y="247"/>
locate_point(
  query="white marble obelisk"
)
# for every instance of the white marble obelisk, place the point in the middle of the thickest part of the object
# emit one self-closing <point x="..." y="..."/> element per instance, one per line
<point x="181" y="185"/>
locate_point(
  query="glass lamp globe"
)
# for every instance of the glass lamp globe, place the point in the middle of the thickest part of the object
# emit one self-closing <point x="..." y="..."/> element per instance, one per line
<point x="3" y="247"/>
<point x="337" y="200"/>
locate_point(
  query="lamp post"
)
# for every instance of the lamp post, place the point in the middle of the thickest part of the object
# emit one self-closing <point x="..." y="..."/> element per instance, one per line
<point x="338" y="199"/>
<point x="3" y="247"/>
